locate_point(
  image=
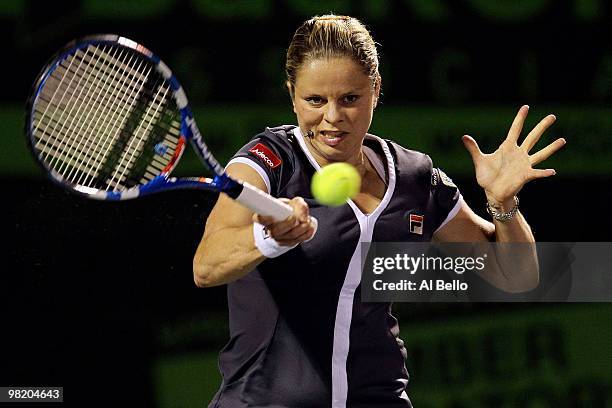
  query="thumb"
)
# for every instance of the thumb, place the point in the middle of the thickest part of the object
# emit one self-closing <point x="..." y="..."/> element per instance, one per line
<point x="472" y="148"/>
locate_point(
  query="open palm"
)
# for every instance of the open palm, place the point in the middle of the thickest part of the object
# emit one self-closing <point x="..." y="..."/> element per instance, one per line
<point x="504" y="172"/>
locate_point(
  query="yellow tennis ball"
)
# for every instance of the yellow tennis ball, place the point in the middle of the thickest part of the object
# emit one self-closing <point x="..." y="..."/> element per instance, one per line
<point x="335" y="183"/>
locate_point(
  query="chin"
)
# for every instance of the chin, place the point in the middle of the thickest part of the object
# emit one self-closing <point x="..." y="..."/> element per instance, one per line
<point x="334" y="153"/>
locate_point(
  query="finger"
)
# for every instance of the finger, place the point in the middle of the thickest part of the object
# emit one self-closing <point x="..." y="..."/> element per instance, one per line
<point x="301" y="238"/>
<point x="532" y="138"/>
<point x="296" y="232"/>
<point x="258" y="219"/>
<point x="472" y="148"/>
<point x="541" y="173"/>
<point x="266" y="221"/>
<point x="300" y="209"/>
<point x="546" y="152"/>
<point x="517" y="124"/>
<point x="278" y="229"/>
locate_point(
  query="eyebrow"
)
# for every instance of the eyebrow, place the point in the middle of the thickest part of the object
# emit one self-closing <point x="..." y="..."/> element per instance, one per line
<point x="351" y="92"/>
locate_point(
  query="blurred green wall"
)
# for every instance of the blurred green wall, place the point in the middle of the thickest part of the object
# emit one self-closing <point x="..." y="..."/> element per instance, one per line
<point x="436" y="131"/>
<point x="529" y="358"/>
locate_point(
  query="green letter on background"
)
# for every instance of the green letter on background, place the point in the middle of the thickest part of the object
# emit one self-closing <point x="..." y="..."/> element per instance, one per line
<point x="602" y="81"/>
<point x="445" y="83"/>
<point x="253" y="9"/>
<point x="12" y="8"/>
<point x="308" y="8"/>
<point x="429" y="10"/>
<point x="375" y="9"/>
<point x="509" y="10"/>
<point x="588" y="9"/>
<point x="126" y="8"/>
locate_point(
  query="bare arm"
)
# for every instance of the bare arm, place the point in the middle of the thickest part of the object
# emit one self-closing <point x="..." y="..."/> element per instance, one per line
<point x="502" y="174"/>
<point x="511" y="271"/>
<point x="227" y="250"/>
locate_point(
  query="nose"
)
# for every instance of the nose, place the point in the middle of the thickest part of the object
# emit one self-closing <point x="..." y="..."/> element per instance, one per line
<point x="333" y="113"/>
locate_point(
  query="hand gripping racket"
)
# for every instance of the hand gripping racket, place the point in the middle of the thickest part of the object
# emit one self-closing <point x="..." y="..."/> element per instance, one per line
<point x="108" y="119"/>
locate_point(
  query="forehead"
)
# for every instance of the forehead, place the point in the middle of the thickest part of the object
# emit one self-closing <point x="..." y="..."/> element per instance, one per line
<point x="331" y="76"/>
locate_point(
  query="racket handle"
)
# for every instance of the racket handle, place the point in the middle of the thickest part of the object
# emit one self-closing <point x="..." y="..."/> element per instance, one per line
<point x="263" y="203"/>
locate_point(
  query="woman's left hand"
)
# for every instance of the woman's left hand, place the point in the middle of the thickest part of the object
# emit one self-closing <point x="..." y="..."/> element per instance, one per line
<point x="504" y="172"/>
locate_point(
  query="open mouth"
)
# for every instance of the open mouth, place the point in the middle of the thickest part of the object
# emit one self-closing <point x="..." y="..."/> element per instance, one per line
<point x="332" y="138"/>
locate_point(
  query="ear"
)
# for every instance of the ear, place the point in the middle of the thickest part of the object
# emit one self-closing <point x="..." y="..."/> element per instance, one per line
<point x="377" y="87"/>
<point x="291" y="93"/>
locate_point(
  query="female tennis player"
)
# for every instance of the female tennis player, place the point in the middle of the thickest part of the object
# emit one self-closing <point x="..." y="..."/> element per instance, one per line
<point x="300" y="335"/>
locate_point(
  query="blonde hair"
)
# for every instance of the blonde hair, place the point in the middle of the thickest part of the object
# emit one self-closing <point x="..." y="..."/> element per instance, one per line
<point x="331" y="36"/>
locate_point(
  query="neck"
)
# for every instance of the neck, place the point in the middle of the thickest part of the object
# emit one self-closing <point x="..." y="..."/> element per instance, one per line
<point x="361" y="163"/>
<point x="357" y="159"/>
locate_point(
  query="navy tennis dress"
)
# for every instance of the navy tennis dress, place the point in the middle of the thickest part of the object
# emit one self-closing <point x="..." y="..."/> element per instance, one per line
<point x="300" y="336"/>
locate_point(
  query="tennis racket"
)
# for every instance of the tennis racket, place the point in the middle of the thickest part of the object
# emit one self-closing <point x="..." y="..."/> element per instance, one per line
<point x="108" y="120"/>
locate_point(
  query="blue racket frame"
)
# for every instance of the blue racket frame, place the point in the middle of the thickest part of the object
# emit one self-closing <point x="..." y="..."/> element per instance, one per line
<point x="189" y="131"/>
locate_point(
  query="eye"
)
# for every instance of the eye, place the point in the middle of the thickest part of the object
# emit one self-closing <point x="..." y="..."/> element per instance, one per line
<point x="314" y="100"/>
<point x="349" y="99"/>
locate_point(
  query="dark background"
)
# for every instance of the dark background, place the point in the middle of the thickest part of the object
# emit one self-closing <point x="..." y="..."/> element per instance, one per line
<point x="99" y="297"/>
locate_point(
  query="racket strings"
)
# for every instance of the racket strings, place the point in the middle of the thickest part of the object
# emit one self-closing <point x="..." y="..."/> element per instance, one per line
<point x="127" y="159"/>
<point x="69" y="109"/>
<point x="103" y="143"/>
<point x="141" y="134"/>
<point x="97" y="84"/>
<point x="121" y="106"/>
<point x="159" y="147"/>
<point x="149" y="148"/>
<point x="59" y="117"/>
<point x="155" y="131"/>
<point x="90" y="107"/>
<point x="65" y="70"/>
<point x="105" y="120"/>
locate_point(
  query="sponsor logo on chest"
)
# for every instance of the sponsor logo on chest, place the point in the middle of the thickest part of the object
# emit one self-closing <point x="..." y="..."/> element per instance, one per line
<point x="266" y="155"/>
<point x="416" y="224"/>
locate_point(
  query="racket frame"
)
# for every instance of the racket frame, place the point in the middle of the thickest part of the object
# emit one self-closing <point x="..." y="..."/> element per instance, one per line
<point x="243" y="192"/>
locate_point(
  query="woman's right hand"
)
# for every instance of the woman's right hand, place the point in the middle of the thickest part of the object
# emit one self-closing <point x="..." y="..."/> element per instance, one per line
<point x="299" y="227"/>
<point x="227" y="250"/>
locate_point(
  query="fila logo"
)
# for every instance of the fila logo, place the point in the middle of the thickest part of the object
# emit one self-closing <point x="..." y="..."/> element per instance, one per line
<point x="266" y="233"/>
<point x="416" y="224"/>
<point x="266" y="155"/>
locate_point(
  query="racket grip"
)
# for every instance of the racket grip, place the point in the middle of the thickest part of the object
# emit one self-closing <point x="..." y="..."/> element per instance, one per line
<point x="263" y="203"/>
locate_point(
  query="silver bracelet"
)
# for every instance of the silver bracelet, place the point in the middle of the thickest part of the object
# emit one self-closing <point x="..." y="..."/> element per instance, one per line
<point x="503" y="216"/>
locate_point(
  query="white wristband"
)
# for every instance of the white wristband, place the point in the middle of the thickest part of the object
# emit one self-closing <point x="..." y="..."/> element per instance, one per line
<point x="315" y="222"/>
<point x="268" y="246"/>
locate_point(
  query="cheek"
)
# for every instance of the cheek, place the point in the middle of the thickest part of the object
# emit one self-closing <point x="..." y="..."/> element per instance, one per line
<point x="307" y="114"/>
<point x="362" y="116"/>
